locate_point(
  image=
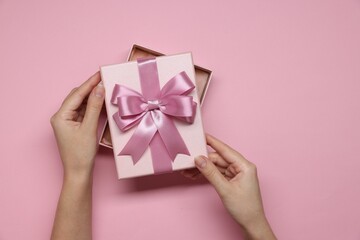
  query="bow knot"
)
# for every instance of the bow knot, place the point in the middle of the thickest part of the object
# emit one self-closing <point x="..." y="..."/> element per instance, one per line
<point x="153" y="104"/>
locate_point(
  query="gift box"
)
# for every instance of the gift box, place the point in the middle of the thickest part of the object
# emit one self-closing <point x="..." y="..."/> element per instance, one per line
<point x="202" y="79"/>
<point x="153" y="111"/>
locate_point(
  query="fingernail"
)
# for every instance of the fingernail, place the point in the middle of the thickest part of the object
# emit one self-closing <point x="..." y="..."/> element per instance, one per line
<point x="99" y="91"/>
<point x="200" y="162"/>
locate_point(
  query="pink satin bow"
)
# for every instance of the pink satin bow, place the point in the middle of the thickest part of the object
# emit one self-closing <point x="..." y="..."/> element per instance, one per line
<point x="154" y="111"/>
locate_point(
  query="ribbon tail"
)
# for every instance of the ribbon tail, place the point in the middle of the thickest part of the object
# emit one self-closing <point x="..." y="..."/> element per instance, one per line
<point x="161" y="160"/>
<point x="141" y="139"/>
<point x="169" y="134"/>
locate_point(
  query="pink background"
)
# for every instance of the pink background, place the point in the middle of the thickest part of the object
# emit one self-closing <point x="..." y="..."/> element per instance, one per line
<point x="288" y="70"/>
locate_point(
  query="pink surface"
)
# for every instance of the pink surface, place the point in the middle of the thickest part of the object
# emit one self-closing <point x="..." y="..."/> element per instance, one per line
<point x="290" y="69"/>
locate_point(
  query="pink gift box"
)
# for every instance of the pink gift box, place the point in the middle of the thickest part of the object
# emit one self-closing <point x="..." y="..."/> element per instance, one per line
<point x="202" y="78"/>
<point x="192" y="134"/>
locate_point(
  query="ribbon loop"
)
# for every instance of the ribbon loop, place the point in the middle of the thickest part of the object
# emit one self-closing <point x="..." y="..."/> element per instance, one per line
<point x="180" y="84"/>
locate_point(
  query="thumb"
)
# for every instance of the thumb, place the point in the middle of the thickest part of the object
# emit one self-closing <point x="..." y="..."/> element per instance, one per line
<point x="212" y="174"/>
<point x="94" y="106"/>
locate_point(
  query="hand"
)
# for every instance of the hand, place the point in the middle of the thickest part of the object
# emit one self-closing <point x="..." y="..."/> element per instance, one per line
<point x="235" y="180"/>
<point x="75" y="127"/>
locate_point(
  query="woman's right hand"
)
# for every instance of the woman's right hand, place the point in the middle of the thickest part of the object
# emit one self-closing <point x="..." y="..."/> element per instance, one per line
<point x="235" y="180"/>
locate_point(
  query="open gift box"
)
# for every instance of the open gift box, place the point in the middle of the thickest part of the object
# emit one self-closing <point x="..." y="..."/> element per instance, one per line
<point x="202" y="79"/>
<point x="154" y="117"/>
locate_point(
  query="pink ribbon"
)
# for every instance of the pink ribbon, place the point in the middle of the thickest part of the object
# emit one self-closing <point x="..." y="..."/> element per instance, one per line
<point x="154" y="112"/>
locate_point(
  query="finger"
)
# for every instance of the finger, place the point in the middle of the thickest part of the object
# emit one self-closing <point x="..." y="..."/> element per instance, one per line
<point x="234" y="169"/>
<point x="71" y="92"/>
<point x="93" y="107"/>
<point x="212" y="174"/>
<point x="193" y="173"/>
<point x="81" y="113"/>
<point x="221" y="169"/>
<point x="218" y="160"/>
<point x="225" y="151"/>
<point x="228" y="173"/>
<point x="78" y="95"/>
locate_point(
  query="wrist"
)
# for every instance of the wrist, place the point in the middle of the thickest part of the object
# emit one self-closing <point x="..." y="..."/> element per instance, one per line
<point x="258" y="229"/>
<point x="77" y="170"/>
<point x="78" y="178"/>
